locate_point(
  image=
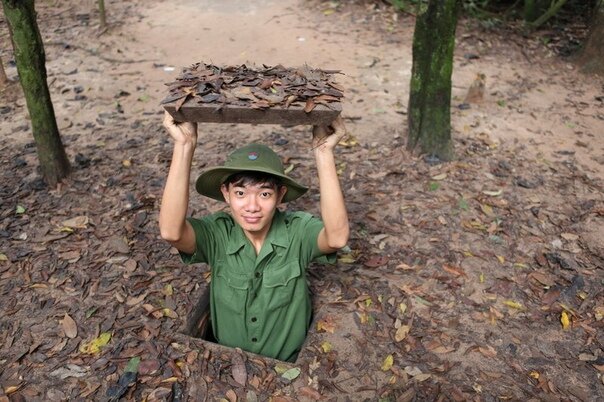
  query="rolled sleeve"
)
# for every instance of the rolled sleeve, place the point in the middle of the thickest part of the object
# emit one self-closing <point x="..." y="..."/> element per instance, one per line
<point x="203" y="243"/>
<point x="313" y="227"/>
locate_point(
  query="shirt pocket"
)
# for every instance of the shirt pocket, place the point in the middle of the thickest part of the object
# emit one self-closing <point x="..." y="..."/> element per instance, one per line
<point x="280" y="285"/>
<point x="231" y="291"/>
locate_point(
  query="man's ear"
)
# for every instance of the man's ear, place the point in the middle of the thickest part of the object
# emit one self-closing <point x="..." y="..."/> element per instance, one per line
<point x="225" y="192"/>
<point x="282" y="192"/>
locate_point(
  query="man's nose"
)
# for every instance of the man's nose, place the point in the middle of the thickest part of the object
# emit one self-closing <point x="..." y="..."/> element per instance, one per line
<point x="252" y="204"/>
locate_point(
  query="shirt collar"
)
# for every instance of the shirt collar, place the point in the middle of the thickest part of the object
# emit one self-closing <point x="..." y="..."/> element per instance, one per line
<point x="277" y="235"/>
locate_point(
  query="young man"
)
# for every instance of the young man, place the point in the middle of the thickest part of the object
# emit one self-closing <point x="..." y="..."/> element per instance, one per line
<point x="259" y="299"/>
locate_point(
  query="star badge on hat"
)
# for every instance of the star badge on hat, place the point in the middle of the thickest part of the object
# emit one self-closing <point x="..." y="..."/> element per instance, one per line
<point x="252" y="156"/>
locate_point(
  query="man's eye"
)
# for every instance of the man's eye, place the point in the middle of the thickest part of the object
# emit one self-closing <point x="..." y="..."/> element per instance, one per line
<point x="239" y="193"/>
<point x="266" y="194"/>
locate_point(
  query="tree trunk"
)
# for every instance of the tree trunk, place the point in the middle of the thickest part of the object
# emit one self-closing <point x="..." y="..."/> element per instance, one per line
<point x="102" y="14"/>
<point x="3" y="77"/>
<point x="591" y="59"/>
<point x="533" y="9"/>
<point x="30" y="58"/>
<point x="429" y="111"/>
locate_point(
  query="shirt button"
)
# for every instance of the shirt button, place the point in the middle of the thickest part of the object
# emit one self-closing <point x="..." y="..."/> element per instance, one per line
<point x="254" y="340"/>
<point x="258" y="274"/>
<point x="254" y="319"/>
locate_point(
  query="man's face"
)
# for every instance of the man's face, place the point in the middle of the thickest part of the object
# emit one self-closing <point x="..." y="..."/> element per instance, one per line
<point x="253" y="205"/>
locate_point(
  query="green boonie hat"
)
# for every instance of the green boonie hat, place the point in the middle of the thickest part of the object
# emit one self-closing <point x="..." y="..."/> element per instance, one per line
<point x="250" y="158"/>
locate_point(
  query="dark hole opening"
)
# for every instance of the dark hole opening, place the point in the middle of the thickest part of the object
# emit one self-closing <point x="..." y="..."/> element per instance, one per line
<point x="199" y="324"/>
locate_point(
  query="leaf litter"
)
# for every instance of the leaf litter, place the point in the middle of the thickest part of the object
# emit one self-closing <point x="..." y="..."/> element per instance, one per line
<point x="485" y="287"/>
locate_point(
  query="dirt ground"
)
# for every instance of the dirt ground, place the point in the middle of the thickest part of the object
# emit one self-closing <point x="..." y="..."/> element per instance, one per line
<point x="478" y="279"/>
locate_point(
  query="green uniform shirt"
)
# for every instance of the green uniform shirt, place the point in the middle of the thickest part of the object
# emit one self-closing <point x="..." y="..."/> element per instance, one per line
<point x="259" y="303"/>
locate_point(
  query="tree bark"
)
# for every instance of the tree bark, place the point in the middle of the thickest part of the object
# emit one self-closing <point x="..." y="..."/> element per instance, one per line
<point x="591" y="59"/>
<point x="429" y="111"/>
<point x="102" y="14"/>
<point x="30" y="58"/>
<point x="3" y="77"/>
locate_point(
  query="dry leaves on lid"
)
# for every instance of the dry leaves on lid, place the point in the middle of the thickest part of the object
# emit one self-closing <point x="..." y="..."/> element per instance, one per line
<point x="260" y="88"/>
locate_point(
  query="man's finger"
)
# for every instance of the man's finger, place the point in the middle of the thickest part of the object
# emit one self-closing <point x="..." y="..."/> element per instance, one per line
<point x="168" y="120"/>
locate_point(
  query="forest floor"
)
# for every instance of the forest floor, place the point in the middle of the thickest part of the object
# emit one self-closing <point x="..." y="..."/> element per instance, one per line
<point x="478" y="279"/>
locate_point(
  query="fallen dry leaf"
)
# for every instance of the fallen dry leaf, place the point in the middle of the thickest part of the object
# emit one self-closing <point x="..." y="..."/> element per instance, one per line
<point x="238" y="369"/>
<point x="376" y="261"/>
<point x="149" y="367"/>
<point x="69" y="326"/>
<point x="487" y="351"/>
<point x="435" y="346"/>
<point x="168" y="312"/>
<point x="326" y="347"/>
<point x="78" y="222"/>
<point x="327" y="324"/>
<point x="231" y="395"/>
<point x="133" y="301"/>
<point x="513" y="304"/>
<point x="564" y="320"/>
<point x="388" y="362"/>
<point x="310" y="393"/>
<point x="95" y="345"/>
<point x="454" y="270"/>
<point x="401" y="333"/>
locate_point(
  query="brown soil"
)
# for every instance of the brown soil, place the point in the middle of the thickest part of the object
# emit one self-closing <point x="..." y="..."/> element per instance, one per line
<point x="459" y="272"/>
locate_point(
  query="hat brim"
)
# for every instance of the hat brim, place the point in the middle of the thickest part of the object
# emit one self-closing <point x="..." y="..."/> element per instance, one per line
<point x="208" y="183"/>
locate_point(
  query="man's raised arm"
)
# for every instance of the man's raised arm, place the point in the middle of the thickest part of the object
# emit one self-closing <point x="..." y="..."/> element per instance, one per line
<point x="333" y="210"/>
<point x="172" y="223"/>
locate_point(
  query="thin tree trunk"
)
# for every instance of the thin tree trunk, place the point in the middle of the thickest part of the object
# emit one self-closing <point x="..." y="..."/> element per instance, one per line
<point x="102" y="14"/>
<point x="429" y="111"/>
<point x="3" y="77"/>
<point x="30" y="58"/>
<point x="551" y="11"/>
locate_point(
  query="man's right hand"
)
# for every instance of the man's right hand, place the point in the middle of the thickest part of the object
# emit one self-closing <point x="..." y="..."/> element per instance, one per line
<point x="182" y="133"/>
<point x="327" y="137"/>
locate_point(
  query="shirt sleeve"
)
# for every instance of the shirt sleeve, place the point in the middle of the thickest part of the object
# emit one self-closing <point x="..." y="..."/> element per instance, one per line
<point x="204" y="241"/>
<point x="313" y="226"/>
